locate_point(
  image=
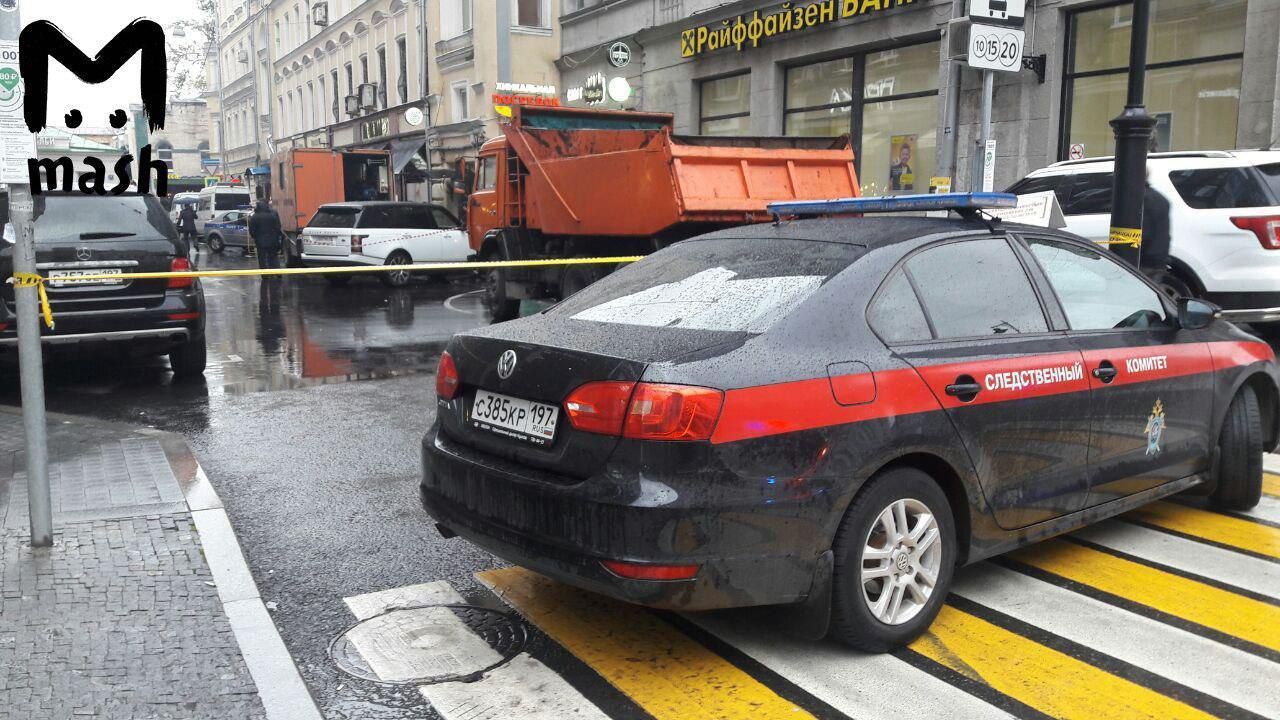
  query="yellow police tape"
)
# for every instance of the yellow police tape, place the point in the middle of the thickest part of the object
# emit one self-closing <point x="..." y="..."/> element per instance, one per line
<point x="38" y="281"/>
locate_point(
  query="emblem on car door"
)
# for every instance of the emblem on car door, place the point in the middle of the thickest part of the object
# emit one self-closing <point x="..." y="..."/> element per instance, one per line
<point x="1155" y="428"/>
<point x="507" y="364"/>
<point x="84" y="253"/>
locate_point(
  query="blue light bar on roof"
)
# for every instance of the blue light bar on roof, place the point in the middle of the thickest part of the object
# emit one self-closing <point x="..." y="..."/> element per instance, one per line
<point x="896" y="203"/>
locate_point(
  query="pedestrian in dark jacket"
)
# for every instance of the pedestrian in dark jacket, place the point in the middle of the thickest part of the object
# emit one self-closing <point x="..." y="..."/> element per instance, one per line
<point x="1155" y="232"/>
<point x="187" y="223"/>
<point x="267" y="234"/>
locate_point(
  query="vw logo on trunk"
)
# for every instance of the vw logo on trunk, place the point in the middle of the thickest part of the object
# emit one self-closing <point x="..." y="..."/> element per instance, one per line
<point x="507" y="364"/>
<point x="83" y="253"/>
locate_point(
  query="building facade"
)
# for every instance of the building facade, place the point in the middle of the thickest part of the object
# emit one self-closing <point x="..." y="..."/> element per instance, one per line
<point x="879" y="70"/>
<point x="352" y="74"/>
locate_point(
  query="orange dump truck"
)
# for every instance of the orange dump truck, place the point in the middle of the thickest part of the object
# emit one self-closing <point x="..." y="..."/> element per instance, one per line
<point x="303" y="179"/>
<point x="567" y="182"/>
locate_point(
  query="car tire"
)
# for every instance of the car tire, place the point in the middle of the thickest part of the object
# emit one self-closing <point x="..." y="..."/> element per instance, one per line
<point x="397" y="278"/>
<point x="1173" y="286"/>
<point x="337" y="280"/>
<point x="189" y="359"/>
<point x="500" y="307"/>
<point x="1239" y="476"/>
<point x="216" y="243"/>
<point x="878" y="612"/>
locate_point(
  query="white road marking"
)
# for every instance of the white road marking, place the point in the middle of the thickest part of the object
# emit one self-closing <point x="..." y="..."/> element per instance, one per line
<point x="375" y="603"/>
<point x="1201" y="664"/>
<point x="1268" y="509"/>
<point x="1214" y="563"/>
<point x="233" y="359"/>
<point x="416" y="644"/>
<point x="524" y="689"/>
<point x="1271" y="463"/>
<point x="872" y="686"/>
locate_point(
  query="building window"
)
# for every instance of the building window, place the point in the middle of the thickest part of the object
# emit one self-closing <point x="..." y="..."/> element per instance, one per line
<point x="532" y="13"/>
<point x="351" y="83"/>
<point x="337" y="96"/>
<point x="382" y="77"/>
<point x="279" y="40"/>
<point x="726" y="106"/>
<point x="402" y="86"/>
<point x="455" y="18"/>
<point x="1194" y="63"/>
<point x="312" y="118"/>
<point x="891" y="118"/>
<point x="364" y="69"/>
<point x="461" y="101"/>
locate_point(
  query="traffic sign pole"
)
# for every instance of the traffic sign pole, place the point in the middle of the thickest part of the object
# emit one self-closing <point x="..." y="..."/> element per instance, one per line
<point x="18" y="142"/>
<point x="995" y="45"/>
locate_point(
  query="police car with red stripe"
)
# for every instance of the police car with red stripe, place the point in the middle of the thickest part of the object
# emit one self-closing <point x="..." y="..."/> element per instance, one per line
<point x="834" y="413"/>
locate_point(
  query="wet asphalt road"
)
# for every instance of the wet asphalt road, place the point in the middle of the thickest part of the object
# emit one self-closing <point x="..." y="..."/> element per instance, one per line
<point x="308" y="424"/>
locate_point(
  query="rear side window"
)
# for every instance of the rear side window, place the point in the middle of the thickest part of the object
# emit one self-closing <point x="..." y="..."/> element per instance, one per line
<point x="1090" y="195"/>
<point x="378" y="218"/>
<point x="330" y="217"/>
<point x="725" y="284"/>
<point x="1221" y="188"/>
<point x="417" y="218"/>
<point x="1059" y="184"/>
<point x="230" y="201"/>
<point x="1271" y="176"/>
<point x="974" y="288"/>
<point x="896" y="315"/>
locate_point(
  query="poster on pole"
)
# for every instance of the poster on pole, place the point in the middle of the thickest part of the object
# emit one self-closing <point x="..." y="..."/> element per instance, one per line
<point x="989" y="167"/>
<point x="17" y="144"/>
<point x="902" y="155"/>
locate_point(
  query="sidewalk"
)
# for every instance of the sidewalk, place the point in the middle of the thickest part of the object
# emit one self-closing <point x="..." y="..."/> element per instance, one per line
<point x="143" y="607"/>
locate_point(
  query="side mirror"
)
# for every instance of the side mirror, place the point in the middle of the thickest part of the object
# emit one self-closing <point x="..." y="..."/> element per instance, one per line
<point x="1195" y="314"/>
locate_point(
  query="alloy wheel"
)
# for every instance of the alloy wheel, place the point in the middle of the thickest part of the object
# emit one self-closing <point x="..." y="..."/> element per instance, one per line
<point x="901" y="560"/>
<point x="398" y="278"/>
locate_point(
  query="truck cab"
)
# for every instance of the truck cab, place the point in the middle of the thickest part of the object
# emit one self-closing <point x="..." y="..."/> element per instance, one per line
<point x="483" y="206"/>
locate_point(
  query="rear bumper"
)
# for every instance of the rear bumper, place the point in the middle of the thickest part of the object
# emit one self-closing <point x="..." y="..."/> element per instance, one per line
<point x="175" y="336"/>
<point x="311" y="260"/>
<point x="176" y="319"/>
<point x="566" y="530"/>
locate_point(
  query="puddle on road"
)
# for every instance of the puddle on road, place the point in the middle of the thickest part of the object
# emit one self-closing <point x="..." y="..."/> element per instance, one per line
<point x="429" y="644"/>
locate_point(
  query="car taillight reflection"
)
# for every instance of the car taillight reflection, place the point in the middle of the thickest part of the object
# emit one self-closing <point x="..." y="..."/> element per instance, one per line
<point x="1267" y="228"/>
<point x="180" y="264"/>
<point x="646" y="571"/>
<point x="645" y="411"/>
<point x="447" y="377"/>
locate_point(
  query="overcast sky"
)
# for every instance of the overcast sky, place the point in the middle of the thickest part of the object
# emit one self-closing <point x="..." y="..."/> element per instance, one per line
<point x="90" y="24"/>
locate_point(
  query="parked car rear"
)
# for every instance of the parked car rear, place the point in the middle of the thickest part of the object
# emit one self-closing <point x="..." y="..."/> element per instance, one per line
<point x="78" y="235"/>
<point x="382" y="233"/>
<point x="1224" y="219"/>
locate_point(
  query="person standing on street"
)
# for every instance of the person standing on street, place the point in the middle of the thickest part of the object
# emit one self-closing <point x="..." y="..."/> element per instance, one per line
<point x="187" y="224"/>
<point x="1155" y="233"/>
<point x="267" y="235"/>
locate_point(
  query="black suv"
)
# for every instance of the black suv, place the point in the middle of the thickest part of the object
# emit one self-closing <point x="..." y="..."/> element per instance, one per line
<point x="79" y="235"/>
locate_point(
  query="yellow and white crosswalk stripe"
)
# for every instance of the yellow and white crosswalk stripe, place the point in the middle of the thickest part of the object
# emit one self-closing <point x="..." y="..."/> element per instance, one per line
<point x="1214" y="527"/>
<point x="1271" y="485"/>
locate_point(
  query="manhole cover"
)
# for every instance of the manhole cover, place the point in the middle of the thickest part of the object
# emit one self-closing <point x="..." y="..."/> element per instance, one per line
<point x="431" y="644"/>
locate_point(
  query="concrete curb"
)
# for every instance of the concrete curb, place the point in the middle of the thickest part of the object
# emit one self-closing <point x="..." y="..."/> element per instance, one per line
<point x="283" y="693"/>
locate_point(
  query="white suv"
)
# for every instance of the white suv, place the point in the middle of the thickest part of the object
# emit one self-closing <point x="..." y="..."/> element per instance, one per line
<point x="382" y="233"/>
<point x="1224" y="218"/>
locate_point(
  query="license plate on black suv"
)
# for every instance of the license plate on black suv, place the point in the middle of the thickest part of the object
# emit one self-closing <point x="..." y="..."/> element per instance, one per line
<point x="524" y="420"/>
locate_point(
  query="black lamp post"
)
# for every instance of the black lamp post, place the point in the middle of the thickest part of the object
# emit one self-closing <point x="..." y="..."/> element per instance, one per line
<point x="1133" y="129"/>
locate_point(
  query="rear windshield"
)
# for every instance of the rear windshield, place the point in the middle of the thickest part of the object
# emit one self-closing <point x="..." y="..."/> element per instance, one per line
<point x="725" y="284"/>
<point x="335" y="217"/>
<point x="1222" y="188"/>
<point x="86" y="218"/>
<point x="230" y="201"/>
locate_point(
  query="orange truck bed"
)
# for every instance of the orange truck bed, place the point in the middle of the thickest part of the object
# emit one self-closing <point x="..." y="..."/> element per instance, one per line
<point x="303" y="179"/>
<point x="606" y="173"/>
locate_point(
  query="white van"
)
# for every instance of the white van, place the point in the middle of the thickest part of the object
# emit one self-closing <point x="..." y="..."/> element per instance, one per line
<point x="217" y="200"/>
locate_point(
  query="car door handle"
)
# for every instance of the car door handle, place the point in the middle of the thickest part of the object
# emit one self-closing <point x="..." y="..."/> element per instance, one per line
<point x="1106" y="372"/>
<point x="964" y="388"/>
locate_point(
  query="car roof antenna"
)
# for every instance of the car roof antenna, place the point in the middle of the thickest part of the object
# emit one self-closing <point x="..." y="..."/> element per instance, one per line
<point x="991" y="221"/>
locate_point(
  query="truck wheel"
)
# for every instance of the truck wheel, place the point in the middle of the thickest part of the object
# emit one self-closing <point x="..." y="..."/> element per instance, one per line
<point x="189" y="359"/>
<point x="577" y="277"/>
<point x="500" y="307"/>
<point x="894" y="554"/>
<point x="216" y="244"/>
<point x="397" y="278"/>
<point x="1240" y="454"/>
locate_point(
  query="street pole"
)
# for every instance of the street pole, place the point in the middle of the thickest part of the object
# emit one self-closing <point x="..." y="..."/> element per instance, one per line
<point x="984" y="132"/>
<point x="222" y="102"/>
<point x="426" y="94"/>
<point x="30" y="361"/>
<point x="951" y="115"/>
<point x="1133" y="130"/>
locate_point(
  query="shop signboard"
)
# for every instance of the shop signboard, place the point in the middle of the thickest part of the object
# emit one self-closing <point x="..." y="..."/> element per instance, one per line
<point x="749" y="30"/>
<point x="620" y="54"/>
<point x="376" y="128"/>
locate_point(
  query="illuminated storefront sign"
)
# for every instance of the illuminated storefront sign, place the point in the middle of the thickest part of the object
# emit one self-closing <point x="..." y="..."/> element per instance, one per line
<point x="751" y="30"/>
<point x="508" y="94"/>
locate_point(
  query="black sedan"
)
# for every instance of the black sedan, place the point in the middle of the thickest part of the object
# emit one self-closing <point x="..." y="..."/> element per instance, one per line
<point x="836" y="413"/>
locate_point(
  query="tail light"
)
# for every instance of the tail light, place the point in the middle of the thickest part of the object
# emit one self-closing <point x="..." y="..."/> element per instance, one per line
<point x="4" y="326"/>
<point x="447" y="377"/>
<point x="645" y="571"/>
<point x="599" y="407"/>
<point x="645" y="411"/>
<point x="180" y="264"/>
<point x="357" y="243"/>
<point x="1267" y="228"/>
